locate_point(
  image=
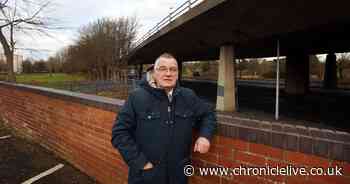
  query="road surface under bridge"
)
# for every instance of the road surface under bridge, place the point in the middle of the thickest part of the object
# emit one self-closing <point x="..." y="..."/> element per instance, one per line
<point x="323" y="108"/>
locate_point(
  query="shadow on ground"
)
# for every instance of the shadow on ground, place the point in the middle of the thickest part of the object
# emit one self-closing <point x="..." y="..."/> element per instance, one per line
<point x="22" y="159"/>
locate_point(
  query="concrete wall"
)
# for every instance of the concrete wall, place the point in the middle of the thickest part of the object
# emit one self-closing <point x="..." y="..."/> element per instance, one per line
<point x="77" y="127"/>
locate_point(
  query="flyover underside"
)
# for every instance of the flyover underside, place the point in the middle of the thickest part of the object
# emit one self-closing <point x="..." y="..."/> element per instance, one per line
<point x="253" y="27"/>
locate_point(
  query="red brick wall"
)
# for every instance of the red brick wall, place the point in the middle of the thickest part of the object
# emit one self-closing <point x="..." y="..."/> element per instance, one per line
<point x="228" y="152"/>
<point x="80" y="131"/>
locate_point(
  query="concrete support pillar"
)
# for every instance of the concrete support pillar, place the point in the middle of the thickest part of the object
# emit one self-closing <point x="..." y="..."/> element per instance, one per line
<point x="140" y="71"/>
<point x="297" y="74"/>
<point x="226" y="94"/>
<point x="330" y="74"/>
<point x="180" y="70"/>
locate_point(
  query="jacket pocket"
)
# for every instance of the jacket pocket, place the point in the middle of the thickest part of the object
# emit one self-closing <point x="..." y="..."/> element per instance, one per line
<point x="148" y="120"/>
<point x="185" y="116"/>
<point x="149" y="116"/>
<point x="150" y="175"/>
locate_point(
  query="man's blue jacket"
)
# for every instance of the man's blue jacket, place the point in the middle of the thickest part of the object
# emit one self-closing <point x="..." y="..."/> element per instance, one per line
<point x="150" y="128"/>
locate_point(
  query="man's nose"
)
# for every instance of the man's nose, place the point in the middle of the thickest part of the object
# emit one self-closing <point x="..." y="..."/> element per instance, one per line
<point x="168" y="72"/>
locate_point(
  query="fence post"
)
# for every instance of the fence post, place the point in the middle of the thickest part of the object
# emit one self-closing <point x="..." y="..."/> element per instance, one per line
<point x="71" y="86"/>
<point x="133" y="84"/>
<point x="170" y="12"/>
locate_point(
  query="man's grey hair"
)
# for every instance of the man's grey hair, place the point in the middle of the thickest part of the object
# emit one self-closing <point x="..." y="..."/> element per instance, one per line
<point x="164" y="55"/>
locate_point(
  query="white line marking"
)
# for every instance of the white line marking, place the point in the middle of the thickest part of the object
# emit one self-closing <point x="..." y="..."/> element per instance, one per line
<point x="48" y="172"/>
<point x="5" y="137"/>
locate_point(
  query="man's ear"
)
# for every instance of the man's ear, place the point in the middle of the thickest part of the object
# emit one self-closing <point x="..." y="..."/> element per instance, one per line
<point x="154" y="79"/>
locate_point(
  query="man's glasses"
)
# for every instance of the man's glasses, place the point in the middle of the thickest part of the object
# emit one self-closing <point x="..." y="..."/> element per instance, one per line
<point x="164" y="69"/>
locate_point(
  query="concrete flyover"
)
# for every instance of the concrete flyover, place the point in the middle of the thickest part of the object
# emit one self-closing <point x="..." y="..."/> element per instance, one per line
<point x="253" y="26"/>
<point x="228" y="29"/>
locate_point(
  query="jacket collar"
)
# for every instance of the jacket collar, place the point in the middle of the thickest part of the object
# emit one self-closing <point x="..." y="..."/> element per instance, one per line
<point x="160" y="93"/>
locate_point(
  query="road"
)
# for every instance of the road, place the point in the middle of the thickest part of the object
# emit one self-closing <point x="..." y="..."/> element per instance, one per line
<point x="325" y="107"/>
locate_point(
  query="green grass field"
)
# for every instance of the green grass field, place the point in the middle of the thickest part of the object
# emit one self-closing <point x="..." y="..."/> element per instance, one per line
<point x="48" y="78"/>
<point x="55" y="80"/>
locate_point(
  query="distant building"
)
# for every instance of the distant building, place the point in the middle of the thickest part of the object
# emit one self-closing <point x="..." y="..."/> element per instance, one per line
<point x="17" y="62"/>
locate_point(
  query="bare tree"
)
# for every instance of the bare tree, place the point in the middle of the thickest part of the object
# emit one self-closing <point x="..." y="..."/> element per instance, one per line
<point x="3" y="66"/>
<point x="20" y="16"/>
<point x="102" y="48"/>
<point x="53" y="65"/>
<point x="343" y="62"/>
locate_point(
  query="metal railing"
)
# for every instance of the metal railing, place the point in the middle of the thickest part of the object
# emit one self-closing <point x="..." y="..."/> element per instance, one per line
<point x="88" y="87"/>
<point x="183" y="8"/>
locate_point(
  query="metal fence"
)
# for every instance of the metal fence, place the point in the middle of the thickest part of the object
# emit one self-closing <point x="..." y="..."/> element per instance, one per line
<point x="183" y="8"/>
<point x="89" y="87"/>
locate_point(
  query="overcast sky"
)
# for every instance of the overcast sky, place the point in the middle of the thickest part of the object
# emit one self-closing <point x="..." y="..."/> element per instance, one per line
<point x="76" y="13"/>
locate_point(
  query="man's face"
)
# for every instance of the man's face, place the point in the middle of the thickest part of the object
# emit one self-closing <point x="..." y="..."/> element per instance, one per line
<point x="166" y="73"/>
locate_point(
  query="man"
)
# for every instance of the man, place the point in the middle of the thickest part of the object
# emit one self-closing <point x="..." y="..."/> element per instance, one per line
<point x="153" y="130"/>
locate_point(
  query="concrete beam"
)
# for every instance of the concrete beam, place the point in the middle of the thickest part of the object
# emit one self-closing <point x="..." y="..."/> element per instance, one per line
<point x="213" y="23"/>
<point x="297" y="74"/>
<point x="226" y="100"/>
<point x="180" y="63"/>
